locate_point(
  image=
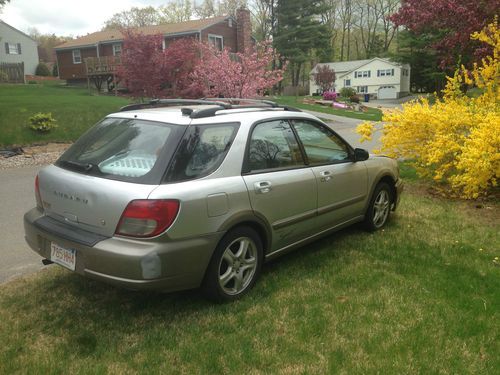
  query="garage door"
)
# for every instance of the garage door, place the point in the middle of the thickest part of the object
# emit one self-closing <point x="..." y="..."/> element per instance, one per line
<point x="387" y="92"/>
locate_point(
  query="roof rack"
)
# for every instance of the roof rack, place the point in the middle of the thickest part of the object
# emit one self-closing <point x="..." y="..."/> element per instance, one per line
<point x="156" y="103"/>
<point x="218" y="103"/>
<point x="253" y="103"/>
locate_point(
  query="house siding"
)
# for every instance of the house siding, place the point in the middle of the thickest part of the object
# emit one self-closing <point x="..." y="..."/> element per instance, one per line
<point x="29" y="48"/>
<point x="223" y="29"/>
<point x="70" y="71"/>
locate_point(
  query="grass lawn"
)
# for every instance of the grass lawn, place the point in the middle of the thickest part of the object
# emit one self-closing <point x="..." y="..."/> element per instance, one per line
<point x="373" y="114"/>
<point x="422" y="296"/>
<point x="73" y="108"/>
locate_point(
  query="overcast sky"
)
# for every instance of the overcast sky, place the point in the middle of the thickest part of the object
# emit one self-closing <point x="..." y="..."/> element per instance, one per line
<point x="66" y="17"/>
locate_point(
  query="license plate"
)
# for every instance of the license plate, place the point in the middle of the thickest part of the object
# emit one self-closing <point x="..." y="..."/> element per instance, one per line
<point x="64" y="257"/>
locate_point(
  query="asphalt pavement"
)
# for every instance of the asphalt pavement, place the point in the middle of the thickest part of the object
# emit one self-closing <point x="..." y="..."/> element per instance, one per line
<point x="17" y="197"/>
<point x="346" y="128"/>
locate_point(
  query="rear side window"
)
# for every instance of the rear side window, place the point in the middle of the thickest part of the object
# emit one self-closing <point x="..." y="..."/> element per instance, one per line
<point x="201" y="151"/>
<point x="123" y="149"/>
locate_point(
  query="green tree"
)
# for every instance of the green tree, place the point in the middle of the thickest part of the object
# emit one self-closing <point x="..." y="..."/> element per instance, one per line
<point x="206" y="9"/>
<point x="134" y="17"/>
<point x="46" y="44"/>
<point x="300" y="32"/>
<point x="176" y="11"/>
<point x="423" y="59"/>
<point x="211" y="8"/>
<point x="264" y="18"/>
<point x="229" y="7"/>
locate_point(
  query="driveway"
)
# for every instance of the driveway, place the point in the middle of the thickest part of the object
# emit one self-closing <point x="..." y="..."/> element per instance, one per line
<point x="17" y="197"/>
<point x="390" y="103"/>
<point x="346" y="128"/>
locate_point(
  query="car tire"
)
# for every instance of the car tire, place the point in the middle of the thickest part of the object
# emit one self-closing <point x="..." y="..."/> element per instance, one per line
<point x="379" y="208"/>
<point x="235" y="265"/>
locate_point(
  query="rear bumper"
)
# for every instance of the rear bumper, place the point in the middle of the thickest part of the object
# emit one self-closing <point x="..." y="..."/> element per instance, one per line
<point x="399" y="190"/>
<point x="133" y="264"/>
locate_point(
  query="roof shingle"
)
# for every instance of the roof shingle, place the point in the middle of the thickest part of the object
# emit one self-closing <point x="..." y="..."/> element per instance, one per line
<point x="166" y="29"/>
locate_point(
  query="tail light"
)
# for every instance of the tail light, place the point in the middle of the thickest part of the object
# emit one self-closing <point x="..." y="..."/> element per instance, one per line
<point x="147" y="217"/>
<point x="37" y="193"/>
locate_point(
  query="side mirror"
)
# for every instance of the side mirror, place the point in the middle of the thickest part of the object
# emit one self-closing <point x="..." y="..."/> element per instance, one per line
<point x="360" y="154"/>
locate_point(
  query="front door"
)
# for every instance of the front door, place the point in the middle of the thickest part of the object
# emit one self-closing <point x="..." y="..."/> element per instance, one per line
<point x="282" y="189"/>
<point x="342" y="183"/>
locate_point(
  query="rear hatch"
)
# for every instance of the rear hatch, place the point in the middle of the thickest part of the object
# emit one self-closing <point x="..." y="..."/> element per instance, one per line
<point x="87" y="202"/>
<point x="117" y="161"/>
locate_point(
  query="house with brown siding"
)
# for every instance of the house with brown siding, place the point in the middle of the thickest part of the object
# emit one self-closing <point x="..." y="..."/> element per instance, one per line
<point x="222" y="32"/>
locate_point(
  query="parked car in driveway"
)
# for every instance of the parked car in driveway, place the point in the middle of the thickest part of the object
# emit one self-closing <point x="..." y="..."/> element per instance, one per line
<point x="181" y="194"/>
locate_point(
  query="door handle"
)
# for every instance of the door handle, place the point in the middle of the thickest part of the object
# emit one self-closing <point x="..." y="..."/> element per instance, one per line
<point x="325" y="176"/>
<point x="262" y="187"/>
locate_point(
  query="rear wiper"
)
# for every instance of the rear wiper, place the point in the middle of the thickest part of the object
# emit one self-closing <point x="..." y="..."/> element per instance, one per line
<point x="86" y="167"/>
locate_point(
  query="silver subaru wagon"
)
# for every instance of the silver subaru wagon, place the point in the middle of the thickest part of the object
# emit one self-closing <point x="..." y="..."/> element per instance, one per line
<point x="178" y="194"/>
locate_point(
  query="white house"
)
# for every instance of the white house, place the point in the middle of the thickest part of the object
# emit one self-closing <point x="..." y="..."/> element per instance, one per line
<point x="17" y="47"/>
<point x="381" y="78"/>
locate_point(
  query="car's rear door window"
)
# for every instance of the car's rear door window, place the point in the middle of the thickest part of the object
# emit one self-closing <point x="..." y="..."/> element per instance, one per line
<point x="201" y="151"/>
<point x="123" y="149"/>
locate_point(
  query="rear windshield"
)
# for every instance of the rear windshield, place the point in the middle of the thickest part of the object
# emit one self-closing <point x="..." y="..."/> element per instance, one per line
<point x="124" y="149"/>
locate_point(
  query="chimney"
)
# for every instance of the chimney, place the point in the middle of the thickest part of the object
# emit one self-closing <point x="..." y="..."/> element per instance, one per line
<point x="244" y="29"/>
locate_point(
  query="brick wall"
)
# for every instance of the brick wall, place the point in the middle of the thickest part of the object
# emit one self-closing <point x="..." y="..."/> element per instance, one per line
<point x="244" y="32"/>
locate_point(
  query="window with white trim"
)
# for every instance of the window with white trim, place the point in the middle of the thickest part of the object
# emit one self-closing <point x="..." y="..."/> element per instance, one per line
<point x="385" y="72"/>
<point x="117" y="49"/>
<point x="362" y="74"/>
<point x="77" y="56"/>
<point x="347" y="82"/>
<point x="13" y="48"/>
<point x="405" y="72"/>
<point x="216" y="41"/>
<point x="362" y="89"/>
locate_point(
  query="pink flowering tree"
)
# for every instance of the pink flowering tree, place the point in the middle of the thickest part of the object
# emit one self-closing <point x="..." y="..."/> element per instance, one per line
<point x="142" y="68"/>
<point x="239" y="75"/>
<point x="180" y="59"/>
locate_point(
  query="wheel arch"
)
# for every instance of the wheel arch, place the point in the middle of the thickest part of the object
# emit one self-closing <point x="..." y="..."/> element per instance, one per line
<point x="387" y="177"/>
<point x="252" y="220"/>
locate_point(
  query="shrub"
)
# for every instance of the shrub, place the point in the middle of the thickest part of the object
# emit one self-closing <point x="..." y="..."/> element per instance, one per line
<point x="55" y="70"/>
<point x="456" y="140"/>
<point x="42" y="122"/>
<point x="329" y="95"/>
<point x="4" y="77"/>
<point x="42" y="70"/>
<point x="347" y="92"/>
<point x="32" y="82"/>
<point x="354" y="98"/>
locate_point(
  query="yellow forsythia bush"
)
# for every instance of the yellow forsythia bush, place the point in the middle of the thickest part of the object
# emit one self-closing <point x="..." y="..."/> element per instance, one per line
<point x="457" y="139"/>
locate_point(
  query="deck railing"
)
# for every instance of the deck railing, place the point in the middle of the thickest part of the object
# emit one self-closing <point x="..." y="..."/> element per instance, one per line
<point x="102" y="65"/>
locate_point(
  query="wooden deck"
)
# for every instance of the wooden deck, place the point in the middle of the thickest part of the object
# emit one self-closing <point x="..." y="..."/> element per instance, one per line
<point x="102" y="65"/>
<point x="102" y="70"/>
